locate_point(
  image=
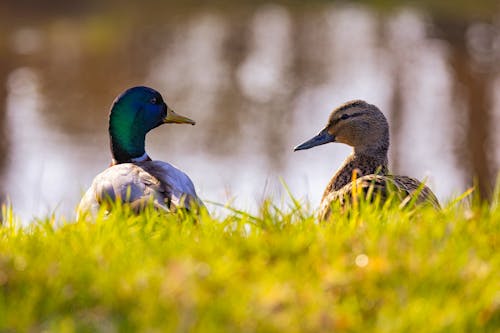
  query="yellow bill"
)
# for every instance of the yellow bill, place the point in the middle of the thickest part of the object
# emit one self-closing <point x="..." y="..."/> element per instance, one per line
<point x="174" y="118"/>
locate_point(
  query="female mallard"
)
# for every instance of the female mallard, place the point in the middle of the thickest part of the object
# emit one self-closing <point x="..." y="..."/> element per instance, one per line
<point x="132" y="176"/>
<point x="365" y="128"/>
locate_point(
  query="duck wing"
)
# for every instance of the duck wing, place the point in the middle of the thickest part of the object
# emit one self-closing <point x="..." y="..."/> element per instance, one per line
<point x="177" y="187"/>
<point x="380" y="185"/>
<point x="413" y="186"/>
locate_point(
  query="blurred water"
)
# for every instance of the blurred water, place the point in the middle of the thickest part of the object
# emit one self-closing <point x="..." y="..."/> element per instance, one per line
<point x="257" y="82"/>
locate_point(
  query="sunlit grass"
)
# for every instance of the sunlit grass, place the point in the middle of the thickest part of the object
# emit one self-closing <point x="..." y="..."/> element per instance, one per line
<point x="369" y="269"/>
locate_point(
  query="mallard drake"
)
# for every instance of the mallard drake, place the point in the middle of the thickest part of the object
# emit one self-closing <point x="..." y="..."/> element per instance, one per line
<point x="132" y="176"/>
<point x="364" y="127"/>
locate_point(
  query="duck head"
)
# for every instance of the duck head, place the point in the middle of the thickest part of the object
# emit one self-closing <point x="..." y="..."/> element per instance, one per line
<point x="356" y="123"/>
<point x="133" y="114"/>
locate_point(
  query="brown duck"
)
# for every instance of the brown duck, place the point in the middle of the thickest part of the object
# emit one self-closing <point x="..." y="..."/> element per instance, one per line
<point x="364" y="127"/>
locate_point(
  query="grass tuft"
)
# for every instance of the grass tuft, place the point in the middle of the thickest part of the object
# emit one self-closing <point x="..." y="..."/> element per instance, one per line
<point x="372" y="268"/>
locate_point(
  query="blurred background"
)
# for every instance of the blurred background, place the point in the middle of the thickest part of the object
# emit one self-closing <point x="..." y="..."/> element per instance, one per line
<point x="258" y="77"/>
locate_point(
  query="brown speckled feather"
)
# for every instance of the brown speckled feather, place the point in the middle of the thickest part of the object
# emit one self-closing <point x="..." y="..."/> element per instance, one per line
<point x="379" y="185"/>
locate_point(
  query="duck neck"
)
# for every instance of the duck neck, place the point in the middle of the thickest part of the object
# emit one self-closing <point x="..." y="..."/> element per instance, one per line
<point x="364" y="162"/>
<point x="127" y="151"/>
<point x="127" y="139"/>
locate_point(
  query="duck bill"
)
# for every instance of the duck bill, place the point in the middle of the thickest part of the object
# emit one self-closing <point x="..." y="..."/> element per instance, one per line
<point x="174" y="118"/>
<point x="320" y="139"/>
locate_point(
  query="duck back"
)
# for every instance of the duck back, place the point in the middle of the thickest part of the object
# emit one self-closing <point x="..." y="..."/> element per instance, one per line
<point x="139" y="184"/>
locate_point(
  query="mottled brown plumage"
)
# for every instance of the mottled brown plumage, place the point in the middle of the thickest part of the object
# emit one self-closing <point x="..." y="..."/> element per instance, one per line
<point x="365" y="128"/>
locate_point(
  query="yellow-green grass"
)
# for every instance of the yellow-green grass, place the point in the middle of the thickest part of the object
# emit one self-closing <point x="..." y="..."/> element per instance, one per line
<point x="370" y="269"/>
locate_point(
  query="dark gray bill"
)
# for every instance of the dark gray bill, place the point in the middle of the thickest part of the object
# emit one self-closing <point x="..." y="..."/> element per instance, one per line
<point x="320" y="139"/>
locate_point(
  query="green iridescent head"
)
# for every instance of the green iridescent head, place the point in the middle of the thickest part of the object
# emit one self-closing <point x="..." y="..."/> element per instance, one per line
<point x="133" y="114"/>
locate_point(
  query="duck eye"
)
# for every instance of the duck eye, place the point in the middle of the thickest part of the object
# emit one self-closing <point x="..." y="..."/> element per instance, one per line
<point x="344" y="116"/>
<point x="154" y="100"/>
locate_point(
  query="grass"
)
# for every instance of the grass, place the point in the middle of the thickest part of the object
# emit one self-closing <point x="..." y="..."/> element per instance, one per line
<point x="370" y="269"/>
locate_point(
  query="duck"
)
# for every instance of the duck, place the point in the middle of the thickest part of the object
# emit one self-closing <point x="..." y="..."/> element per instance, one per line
<point x="365" y="128"/>
<point x="132" y="176"/>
